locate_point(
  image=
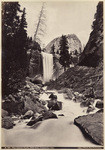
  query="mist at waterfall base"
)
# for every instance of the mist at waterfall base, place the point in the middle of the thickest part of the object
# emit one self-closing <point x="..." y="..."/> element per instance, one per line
<point x="47" y="66"/>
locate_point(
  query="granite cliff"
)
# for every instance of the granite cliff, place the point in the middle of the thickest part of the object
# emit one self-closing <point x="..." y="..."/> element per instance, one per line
<point x="73" y="43"/>
<point x="93" y="51"/>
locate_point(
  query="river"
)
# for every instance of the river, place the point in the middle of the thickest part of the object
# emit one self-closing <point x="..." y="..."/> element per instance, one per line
<point x="59" y="132"/>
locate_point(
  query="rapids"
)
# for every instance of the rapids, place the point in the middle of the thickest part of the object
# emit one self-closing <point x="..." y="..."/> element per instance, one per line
<point x="59" y="132"/>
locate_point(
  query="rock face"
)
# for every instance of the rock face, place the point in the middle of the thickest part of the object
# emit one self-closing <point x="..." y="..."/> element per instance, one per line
<point x="92" y="125"/>
<point x="73" y="43"/>
<point x="93" y="52"/>
<point x="75" y="49"/>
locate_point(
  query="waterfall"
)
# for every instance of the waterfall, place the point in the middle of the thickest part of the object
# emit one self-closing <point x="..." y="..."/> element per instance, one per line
<point x="47" y="66"/>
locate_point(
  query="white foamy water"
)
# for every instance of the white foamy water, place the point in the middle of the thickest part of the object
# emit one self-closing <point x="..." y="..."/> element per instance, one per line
<point x="52" y="132"/>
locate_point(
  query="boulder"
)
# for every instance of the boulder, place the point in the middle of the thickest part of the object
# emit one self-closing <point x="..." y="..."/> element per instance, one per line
<point x="61" y="115"/>
<point x="37" y="79"/>
<point x="4" y="113"/>
<point x="15" y="118"/>
<point x="34" y="120"/>
<point x="100" y="111"/>
<point x="35" y="106"/>
<point x="7" y="123"/>
<point x="99" y="104"/>
<point x="90" y="108"/>
<point x="62" y="90"/>
<point x="78" y="97"/>
<point x="89" y="92"/>
<point x="54" y="105"/>
<point x="37" y="88"/>
<point x="87" y="102"/>
<point x="11" y="97"/>
<point x="53" y="97"/>
<point x="70" y="93"/>
<point x="28" y="114"/>
<point x="99" y="93"/>
<point x="43" y="102"/>
<point x="92" y="126"/>
<point x="37" y="82"/>
<point x="44" y="116"/>
<point x="36" y="125"/>
<point x="32" y="86"/>
<point x="49" y="115"/>
<point x="13" y="106"/>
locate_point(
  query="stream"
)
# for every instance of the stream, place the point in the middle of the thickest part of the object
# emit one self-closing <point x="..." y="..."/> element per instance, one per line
<point x="59" y="132"/>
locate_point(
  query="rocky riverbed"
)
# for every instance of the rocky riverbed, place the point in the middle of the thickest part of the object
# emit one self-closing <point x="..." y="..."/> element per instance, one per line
<point x="48" y="126"/>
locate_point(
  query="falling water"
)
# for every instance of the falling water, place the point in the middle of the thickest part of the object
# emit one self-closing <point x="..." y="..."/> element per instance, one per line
<point x="47" y="66"/>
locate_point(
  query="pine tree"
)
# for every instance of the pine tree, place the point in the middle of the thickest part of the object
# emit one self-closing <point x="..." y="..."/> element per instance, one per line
<point x="10" y="26"/>
<point x="64" y="53"/>
<point x="13" y="46"/>
<point x="21" y="41"/>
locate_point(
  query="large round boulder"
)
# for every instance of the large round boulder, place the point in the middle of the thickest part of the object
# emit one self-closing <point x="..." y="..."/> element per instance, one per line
<point x="92" y="125"/>
<point x="99" y="104"/>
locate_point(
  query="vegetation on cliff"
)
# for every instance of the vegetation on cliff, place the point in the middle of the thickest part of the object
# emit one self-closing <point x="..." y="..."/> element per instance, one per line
<point x="93" y="51"/>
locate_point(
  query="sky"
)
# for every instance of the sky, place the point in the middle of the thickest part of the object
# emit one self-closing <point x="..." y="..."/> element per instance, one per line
<point x="69" y="17"/>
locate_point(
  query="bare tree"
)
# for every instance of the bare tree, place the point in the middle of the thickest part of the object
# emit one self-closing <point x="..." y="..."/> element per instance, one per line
<point x="39" y="31"/>
<point x="40" y="26"/>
